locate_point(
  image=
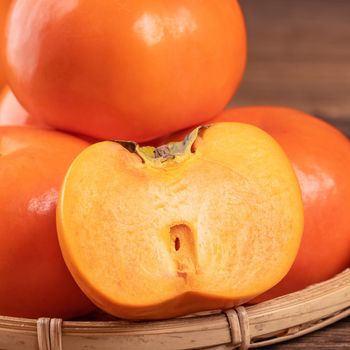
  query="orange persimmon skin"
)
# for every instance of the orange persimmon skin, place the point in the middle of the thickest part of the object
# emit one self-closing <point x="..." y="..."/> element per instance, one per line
<point x="320" y="155"/>
<point x="4" y="8"/>
<point x="34" y="279"/>
<point x="128" y="70"/>
<point x="12" y="113"/>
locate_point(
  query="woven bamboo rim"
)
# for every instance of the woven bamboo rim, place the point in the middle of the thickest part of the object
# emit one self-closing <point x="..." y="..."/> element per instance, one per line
<point x="255" y="326"/>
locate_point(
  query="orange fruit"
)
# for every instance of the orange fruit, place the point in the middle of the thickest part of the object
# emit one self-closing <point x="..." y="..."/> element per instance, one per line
<point x="131" y="70"/>
<point x="35" y="281"/>
<point x="208" y="223"/>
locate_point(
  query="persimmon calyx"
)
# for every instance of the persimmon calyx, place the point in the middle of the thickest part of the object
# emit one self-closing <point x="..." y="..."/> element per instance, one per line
<point x="173" y="151"/>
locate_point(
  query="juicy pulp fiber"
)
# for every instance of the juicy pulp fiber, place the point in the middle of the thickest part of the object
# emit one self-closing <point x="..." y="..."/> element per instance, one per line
<point x="211" y="230"/>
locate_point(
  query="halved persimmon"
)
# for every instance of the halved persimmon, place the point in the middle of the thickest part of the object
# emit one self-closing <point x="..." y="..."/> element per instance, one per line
<point x="152" y="233"/>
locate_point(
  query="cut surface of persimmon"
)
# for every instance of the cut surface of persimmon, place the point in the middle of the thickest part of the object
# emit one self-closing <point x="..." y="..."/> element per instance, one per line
<point x="207" y="223"/>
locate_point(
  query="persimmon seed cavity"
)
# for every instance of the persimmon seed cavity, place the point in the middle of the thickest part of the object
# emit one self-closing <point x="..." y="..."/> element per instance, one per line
<point x="180" y="233"/>
<point x="177" y="243"/>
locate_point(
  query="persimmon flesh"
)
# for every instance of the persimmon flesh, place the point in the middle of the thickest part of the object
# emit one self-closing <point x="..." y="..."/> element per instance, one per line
<point x="202" y="224"/>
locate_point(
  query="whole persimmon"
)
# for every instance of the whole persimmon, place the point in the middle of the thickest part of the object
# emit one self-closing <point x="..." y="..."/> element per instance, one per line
<point x="4" y="7"/>
<point x="11" y="111"/>
<point x="34" y="280"/>
<point x="130" y="70"/>
<point x="320" y="155"/>
<point x="207" y="223"/>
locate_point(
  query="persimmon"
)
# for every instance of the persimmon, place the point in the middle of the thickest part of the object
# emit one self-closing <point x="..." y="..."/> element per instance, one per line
<point x="34" y="281"/>
<point x="4" y="7"/>
<point x="202" y="224"/>
<point x="11" y="111"/>
<point x="131" y="70"/>
<point x="320" y="155"/>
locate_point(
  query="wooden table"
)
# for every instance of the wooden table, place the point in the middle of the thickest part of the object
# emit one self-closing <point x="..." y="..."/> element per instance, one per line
<point x="334" y="337"/>
<point x="299" y="56"/>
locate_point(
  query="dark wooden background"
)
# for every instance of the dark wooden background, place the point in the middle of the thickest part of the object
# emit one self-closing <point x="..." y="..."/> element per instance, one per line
<point x="299" y="56"/>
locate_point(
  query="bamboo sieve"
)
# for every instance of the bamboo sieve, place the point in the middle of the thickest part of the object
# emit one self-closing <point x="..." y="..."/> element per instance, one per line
<point x="264" y="324"/>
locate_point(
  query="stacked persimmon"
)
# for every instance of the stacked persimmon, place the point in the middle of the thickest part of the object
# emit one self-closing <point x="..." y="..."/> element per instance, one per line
<point x="209" y="219"/>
